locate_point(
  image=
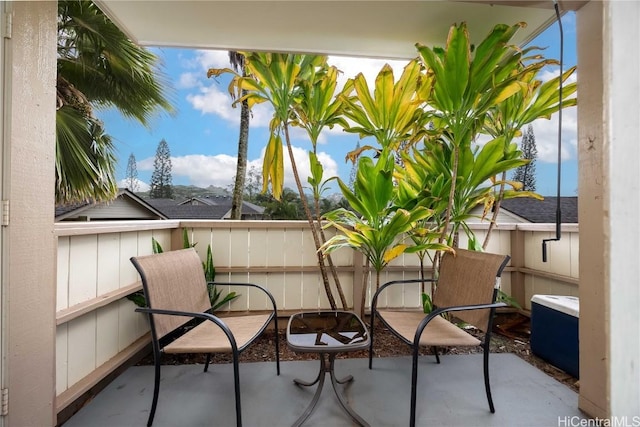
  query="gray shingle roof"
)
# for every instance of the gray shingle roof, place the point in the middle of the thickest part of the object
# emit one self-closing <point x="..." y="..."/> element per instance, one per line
<point x="215" y="208"/>
<point x="543" y="211"/>
<point x="193" y="211"/>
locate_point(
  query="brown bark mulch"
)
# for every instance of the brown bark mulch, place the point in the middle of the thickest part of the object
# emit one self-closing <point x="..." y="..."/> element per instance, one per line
<point x="510" y="335"/>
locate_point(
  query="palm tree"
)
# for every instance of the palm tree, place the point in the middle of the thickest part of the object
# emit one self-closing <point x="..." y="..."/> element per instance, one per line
<point x="98" y="66"/>
<point x="238" y="64"/>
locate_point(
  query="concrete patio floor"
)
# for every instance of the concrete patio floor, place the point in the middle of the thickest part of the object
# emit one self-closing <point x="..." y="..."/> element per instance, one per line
<point x="449" y="394"/>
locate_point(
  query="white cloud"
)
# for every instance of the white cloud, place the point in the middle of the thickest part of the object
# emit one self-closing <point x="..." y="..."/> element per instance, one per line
<point x="188" y="81"/>
<point x="219" y="170"/>
<point x="142" y="186"/>
<point x="210" y="100"/>
<point x="546" y="130"/>
<point x="302" y="163"/>
<point x="212" y="59"/>
<point x="546" y="134"/>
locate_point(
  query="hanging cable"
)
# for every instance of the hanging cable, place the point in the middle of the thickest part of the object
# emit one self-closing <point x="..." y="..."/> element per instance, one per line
<point x="558" y="211"/>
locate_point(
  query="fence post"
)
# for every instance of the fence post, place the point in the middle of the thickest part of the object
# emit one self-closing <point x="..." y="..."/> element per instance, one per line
<point x="517" y="262"/>
<point x="358" y="289"/>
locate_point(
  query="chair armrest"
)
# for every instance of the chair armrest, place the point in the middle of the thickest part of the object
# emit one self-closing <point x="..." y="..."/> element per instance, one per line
<point x="206" y="316"/>
<point x="374" y="301"/>
<point x="437" y="312"/>
<point x="250" y="285"/>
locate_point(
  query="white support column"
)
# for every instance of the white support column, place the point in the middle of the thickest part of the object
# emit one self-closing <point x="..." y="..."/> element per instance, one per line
<point x="622" y="131"/>
<point x="28" y="179"/>
<point x="609" y="208"/>
<point x="592" y="212"/>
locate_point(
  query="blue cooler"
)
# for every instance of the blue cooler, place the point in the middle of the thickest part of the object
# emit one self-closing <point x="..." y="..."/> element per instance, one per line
<point x="554" y="331"/>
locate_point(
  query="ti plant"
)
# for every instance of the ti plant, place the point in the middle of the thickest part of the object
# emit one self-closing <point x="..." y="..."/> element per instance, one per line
<point x="534" y="100"/>
<point x="461" y="84"/>
<point x="215" y="295"/>
<point x="281" y="81"/>
<point x="393" y="115"/>
<point x="316" y="110"/>
<point x="374" y="226"/>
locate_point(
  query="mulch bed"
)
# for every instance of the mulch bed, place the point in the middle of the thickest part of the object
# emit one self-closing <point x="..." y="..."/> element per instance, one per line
<point x="511" y="335"/>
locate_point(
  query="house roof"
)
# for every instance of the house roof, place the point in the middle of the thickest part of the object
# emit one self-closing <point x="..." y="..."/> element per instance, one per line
<point x="73" y="210"/>
<point x="217" y="207"/>
<point x="543" y="211"/>
<point x="187" y="211"/>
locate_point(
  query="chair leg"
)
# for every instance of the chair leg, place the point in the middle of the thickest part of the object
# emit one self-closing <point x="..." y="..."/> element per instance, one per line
<point x="236" y="384"/>
<point x="156" y="391"/>
<point x="435" y="351"/>
<point x="206" y="364"/>
<point x="414" y="385"/>
<point x="277" y="348"/>
<point x="487" y="386"/>
<point x="371" y="339"/>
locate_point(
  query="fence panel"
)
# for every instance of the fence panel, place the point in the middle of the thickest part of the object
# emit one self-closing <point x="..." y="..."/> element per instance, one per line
<point x="98" y="327"/>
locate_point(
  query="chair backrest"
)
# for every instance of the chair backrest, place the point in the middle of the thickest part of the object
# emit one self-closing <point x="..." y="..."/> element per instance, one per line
<point x="467" y="278"/>
<point x="173" y="281"/>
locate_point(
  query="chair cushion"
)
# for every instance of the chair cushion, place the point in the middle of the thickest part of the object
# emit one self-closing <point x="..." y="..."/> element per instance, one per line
<point x="207" y="337"/>
<point x="439" y="331"/>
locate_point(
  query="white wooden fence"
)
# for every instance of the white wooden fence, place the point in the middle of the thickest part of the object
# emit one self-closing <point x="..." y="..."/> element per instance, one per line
<point x="98" y="330"/>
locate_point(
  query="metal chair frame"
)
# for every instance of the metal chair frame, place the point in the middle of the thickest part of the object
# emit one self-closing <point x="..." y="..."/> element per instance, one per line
<point x="438" y="311"/>
<point x="207" y="317"/>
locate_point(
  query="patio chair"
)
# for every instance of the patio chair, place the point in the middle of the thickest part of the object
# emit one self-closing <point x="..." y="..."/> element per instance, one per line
<point x="176" y="292"/>
<point x="467" y="287"/>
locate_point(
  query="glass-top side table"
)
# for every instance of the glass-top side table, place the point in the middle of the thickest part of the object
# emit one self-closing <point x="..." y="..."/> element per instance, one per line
<point x="327" y="333"/>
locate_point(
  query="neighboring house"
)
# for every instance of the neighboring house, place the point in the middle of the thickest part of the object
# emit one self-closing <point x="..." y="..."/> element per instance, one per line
<point x="526" y="209"/>
<point x="543" y="211"/>
<point x="126" y="205"/>
<point x="208" y="207"/>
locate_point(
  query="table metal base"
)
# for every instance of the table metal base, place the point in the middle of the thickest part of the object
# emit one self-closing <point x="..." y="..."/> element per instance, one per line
<point x="327" y="367"/>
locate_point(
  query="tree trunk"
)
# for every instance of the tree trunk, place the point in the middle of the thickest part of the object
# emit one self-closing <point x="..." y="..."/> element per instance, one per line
<point x="241" y="167"/>
<point x="332" y="267"/>
<point x="365" y="279"/>
<point x="447" y="219"/>
<point x="496" y="210"/>
<point x="314" y="232"/>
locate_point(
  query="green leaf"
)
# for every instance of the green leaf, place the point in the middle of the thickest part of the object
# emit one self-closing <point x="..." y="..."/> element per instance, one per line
<point x="155" y="246"/>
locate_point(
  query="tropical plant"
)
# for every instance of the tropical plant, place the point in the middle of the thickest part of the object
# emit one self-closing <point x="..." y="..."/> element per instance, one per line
<point x="316" y="110"/>
<point x="446" y="104"/>
<point x="461" y="85"/>
<point x="98" y="66"/>
<point x="534" y="100"/>
<point x="289" y="207"/>
<point x="277" y="79"/>
<point x="393" y="115"/>
<point x="375" y="226"/>
<point x="215" y="295"/>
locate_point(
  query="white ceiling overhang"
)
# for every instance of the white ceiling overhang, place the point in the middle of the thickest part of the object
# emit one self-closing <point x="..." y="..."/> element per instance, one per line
<point x="383" y="29"/>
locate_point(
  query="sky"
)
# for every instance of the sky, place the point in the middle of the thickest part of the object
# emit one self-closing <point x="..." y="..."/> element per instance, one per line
<point x="202" y="134"/>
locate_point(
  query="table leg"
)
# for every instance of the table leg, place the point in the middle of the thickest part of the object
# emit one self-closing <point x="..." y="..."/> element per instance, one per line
<point x="357" y="418"/>
<point x="316" y="397"/>
<point x="327" y="366"/>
